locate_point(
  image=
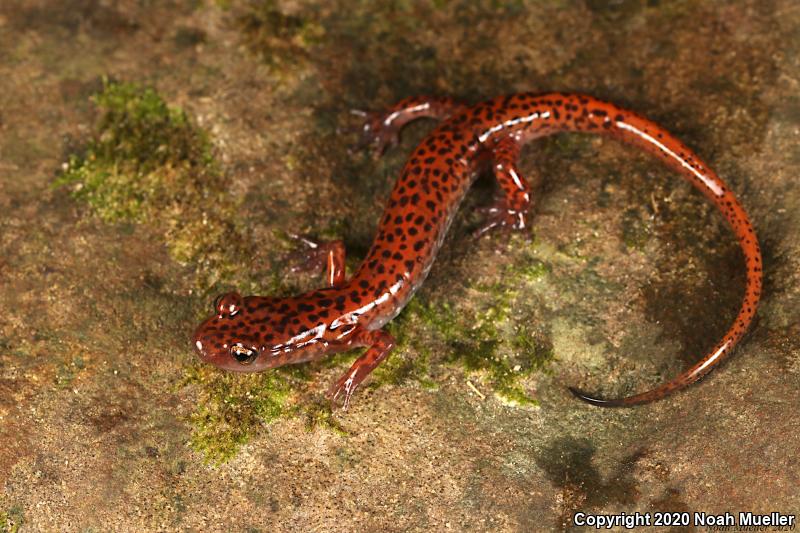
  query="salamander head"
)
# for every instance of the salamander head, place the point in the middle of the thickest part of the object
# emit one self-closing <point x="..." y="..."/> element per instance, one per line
<point x="254" y="333"/>
<point x="230" y="339"/>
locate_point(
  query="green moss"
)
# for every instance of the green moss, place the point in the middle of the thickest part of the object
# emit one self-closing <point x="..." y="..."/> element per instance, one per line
<point x="149" y="163"/>
<point x="232" y="408"/>
<point x="487" y="351"/>
<point x="529" y="268"/>
<point x="487" y="343"/>
<point x="67" y="371"/>
<point x="410" y="360"/>
<point x="11" y="520"/>
<point x="408" y="363"/>
<point x="636" y="230"/>
<point x="318" y="414"/>
<point x="278" y="38"/>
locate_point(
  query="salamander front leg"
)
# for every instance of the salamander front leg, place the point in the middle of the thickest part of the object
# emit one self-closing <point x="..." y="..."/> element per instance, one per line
<point x="318" y="255"/>
<point x="379" y="343"/>
<point x="382" y="129"/>
<point x="512" y="210"/>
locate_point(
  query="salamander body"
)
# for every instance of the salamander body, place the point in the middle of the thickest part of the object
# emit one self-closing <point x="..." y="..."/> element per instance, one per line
<point x="254" y="333"/>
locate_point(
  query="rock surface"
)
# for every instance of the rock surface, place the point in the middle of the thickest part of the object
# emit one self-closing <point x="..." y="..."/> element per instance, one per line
<point x="109" y="423"/>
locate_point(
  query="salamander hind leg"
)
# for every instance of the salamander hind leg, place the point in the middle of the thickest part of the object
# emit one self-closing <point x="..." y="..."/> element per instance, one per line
<point x="511" y="211"/>
<point x="379" y="343"/>
<point x="315" y="256"/>
<point x="381" y="130"/>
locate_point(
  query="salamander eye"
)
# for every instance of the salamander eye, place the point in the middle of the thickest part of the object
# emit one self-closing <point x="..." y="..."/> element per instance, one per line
<point x="243" y="354"/>
<point x="228" y="304"/>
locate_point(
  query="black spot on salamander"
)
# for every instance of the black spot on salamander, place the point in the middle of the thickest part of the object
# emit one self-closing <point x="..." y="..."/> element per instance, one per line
<point x="377" y="292"/>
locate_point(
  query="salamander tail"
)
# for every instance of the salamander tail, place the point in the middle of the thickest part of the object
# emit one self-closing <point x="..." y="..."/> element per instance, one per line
<point x="596" y="401"/>
<point x="631" y="128"/>
<point x="637" y="399"/>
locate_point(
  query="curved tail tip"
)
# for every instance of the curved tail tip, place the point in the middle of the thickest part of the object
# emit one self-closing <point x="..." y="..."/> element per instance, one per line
<point x="595" y="401"/>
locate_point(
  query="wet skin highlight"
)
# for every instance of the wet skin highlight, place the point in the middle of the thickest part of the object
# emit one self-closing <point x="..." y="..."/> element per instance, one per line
<point x="254" y="333"/>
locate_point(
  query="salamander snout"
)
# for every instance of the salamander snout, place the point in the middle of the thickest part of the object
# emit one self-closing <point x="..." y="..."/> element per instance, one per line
<point x="225" y="339"/>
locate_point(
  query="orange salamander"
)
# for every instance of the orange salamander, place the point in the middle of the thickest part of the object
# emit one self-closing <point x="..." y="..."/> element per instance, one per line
<point x="253" y="333"/>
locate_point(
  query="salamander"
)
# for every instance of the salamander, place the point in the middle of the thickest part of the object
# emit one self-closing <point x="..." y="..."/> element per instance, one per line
<point x="254" y="333"/>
